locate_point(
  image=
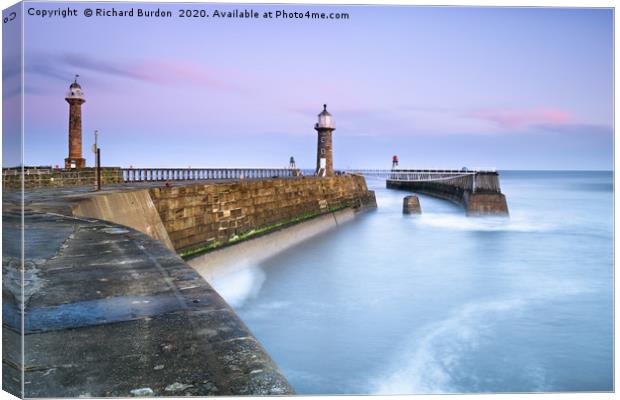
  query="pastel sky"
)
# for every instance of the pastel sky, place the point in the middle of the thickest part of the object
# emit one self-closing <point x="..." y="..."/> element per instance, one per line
<point x="510" y="88"/>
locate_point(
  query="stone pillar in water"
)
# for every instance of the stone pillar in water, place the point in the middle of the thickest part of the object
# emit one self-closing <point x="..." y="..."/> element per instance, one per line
<point x="411" y="205"/>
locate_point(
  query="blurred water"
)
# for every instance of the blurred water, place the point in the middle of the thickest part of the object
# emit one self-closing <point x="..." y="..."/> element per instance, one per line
<point x="445" y="303"/>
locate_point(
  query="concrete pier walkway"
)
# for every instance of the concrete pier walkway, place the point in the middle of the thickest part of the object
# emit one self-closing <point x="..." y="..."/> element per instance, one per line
<point x="111" y="312"/>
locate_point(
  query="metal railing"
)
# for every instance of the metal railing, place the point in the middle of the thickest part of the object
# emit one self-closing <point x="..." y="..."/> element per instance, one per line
<point x="474" y="180"/>
<point x="462" y="178"/>
<point x="194" y="174"/>
<point x="427" y="176"/>
<point x="418" y="174"/>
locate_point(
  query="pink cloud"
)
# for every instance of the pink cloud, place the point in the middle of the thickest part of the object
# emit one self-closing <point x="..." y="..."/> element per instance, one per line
<point x="154" y="71"/>
<point x="175" y="72"/>
<point x="519" y="119"/>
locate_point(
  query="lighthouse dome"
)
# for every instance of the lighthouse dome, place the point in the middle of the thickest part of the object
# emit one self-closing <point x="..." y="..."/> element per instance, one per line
<point x="75" y="90"/>
<point x="324" y="112"/>
<point x="325" y="118"/>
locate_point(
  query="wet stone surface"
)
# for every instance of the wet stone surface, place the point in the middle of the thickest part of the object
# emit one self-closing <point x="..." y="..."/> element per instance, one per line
<point x="112" y="312"/>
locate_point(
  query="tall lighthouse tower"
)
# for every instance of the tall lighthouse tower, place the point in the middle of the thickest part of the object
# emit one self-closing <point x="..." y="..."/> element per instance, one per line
<point x="324" y="156"/>
<point x="75" y="98"/>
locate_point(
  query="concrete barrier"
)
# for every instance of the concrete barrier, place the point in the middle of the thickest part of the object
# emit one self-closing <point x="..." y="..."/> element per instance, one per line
<point x="134" y="209"/>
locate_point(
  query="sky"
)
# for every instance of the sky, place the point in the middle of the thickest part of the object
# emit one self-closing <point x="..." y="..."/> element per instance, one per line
<point x="441" y="87"/>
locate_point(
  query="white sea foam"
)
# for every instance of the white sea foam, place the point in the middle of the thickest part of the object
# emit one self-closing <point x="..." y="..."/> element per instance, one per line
<point x="482" y="224"/>
<point x="265" y="310"/>
<point x="239" y="285"/>
<point x="428" y="364"/>
<point x="275" y="305"/>
<point x="384" y="201"/>
<point x="443" y="215"/>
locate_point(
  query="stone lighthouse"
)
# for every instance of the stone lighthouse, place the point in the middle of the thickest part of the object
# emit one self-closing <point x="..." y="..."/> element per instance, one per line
<point x="75" y="98"/>
<point x="324" y="157"/>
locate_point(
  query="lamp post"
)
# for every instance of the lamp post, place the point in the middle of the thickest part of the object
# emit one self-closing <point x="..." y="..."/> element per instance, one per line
<point x="97" y="152"/>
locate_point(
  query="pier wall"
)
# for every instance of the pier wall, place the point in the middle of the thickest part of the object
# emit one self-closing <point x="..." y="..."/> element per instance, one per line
<point x="479" y="195"/>
<point x="486" y="204"/>
<point x="48" y="178"/>
<point x="206" y="214"/>
<point x="134" y="209"/>
<point x="199" y="215"/>
<point x="227" y="260"/>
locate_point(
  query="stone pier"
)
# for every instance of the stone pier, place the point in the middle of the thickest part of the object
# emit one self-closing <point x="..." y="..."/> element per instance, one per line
<point x="478" y="192"/>
<point x="111" y="309"/>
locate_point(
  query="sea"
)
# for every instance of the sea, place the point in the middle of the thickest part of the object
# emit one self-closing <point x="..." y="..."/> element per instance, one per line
<point x="444" y="303"/>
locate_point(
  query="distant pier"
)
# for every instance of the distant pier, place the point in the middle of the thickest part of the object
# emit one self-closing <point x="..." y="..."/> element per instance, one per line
<point x="477" y="191"/>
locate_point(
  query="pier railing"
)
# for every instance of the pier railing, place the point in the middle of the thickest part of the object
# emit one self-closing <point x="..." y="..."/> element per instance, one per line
<point x="474" y="180"/>
<point x="194" y="174"/>
<point x="419" y="174"/>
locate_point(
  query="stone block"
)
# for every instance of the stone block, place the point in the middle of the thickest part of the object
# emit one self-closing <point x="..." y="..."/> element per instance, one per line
<point x="411" y="205"/>
<point x="486" y="204"/>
